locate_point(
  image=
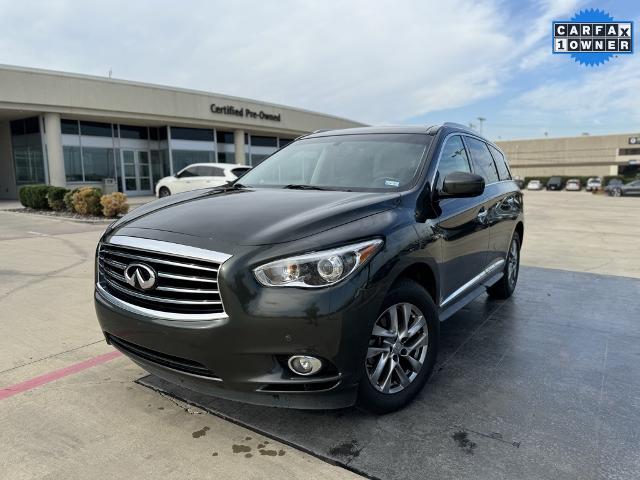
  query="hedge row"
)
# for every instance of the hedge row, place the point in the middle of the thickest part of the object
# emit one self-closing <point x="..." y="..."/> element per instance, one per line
<point x="85" y="200"/>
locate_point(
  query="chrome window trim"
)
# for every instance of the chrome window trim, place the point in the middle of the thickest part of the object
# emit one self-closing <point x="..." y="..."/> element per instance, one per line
<point x="175" y="249"/>
<point x="435" y="171"/>
<point x="475" y="280"/>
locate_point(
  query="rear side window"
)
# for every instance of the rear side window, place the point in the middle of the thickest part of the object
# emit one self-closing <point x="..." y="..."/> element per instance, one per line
<point x="501" y="163"/>
<point x="206" y="171"/>
<point x="452" y="159"/>
<point x="239" y="171"/>
<point x="482" y="160"/>
<point x="189" y="172"/>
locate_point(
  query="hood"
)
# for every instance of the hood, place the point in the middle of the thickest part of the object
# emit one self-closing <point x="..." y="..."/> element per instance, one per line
<point x="256" y="216"/>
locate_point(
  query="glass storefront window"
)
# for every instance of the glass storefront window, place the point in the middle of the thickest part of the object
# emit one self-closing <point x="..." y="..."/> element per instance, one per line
<point x="72" y="163"/>
<point x="98" y="163"/>
<point x="92" y="164"/>
<point x="224" y="137"/>
<point x="95" y="129"/>
<point x="199" y="134"/>
<point x="133" y="131"/>
<point x="258" y="141"/>
<point x="182" y="158"/>
<point x="27" y="149"/>
<point x="69" y="127"/>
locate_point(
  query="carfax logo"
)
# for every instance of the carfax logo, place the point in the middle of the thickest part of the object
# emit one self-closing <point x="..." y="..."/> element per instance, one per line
<point x="592" y="37"/>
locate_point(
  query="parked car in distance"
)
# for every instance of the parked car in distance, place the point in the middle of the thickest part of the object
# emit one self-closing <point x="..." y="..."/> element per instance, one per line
<point x="573" y="185"/>
<point x="320" y="278"/>
<point x="534" y="185"/>
<point x="199" y="175"/>
<point x="620" y="190"/>
<point x="613" y="182"/>
<point x="554" y="183"/>
<point x="593" y="184"/>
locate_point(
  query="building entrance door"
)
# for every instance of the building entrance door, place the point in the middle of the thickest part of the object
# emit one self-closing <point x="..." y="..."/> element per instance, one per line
<point x="136" y="173"/>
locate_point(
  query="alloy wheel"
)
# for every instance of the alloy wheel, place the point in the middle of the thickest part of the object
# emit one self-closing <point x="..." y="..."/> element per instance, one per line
<point x="397" y="348"/>
<point x="512" y="263"/>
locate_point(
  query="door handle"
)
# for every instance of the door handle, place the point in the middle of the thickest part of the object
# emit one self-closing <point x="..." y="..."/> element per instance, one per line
<point x="482" y="215"/>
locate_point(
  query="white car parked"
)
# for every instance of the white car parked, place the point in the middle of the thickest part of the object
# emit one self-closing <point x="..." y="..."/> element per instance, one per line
<point x="199" y="175"/>
<point x="534" y="185"/>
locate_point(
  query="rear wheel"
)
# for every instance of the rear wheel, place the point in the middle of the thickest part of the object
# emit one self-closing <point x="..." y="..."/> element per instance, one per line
<point x="163" y="192"/>
<point x="507" y="284"/>
<point x="616" y="192"/>
<point x="402" y="349"/>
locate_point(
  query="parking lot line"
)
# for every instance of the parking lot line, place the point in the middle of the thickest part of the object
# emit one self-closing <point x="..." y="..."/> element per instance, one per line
<point x="56" y="374"/>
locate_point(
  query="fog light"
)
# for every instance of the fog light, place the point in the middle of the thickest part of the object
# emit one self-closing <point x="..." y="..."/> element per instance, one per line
<point x="304" y="365"/>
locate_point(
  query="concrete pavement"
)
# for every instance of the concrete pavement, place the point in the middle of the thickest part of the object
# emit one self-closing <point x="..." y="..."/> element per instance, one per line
<point x="97" y="423"/>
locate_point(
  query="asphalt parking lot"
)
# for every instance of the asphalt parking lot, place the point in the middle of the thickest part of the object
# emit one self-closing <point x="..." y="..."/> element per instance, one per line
<point x="544" y="385"/>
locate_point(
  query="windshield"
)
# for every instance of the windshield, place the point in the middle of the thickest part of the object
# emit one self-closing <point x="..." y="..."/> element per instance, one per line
<point x="364" y="162"/>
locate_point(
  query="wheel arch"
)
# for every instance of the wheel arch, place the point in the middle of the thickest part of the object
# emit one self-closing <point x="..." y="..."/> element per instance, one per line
<point x="520" y="229"/>
<point x="423" y="275"/>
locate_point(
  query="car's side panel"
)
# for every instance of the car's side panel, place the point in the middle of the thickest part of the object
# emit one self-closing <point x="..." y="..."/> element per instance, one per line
<point x="505" y="210"/>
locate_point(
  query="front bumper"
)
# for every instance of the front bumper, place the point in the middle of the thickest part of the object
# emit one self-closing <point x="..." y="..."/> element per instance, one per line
<point x="243" y="357"/>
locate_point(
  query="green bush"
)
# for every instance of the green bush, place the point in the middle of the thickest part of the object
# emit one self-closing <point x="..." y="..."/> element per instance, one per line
<point x="86" y="201"/>
<point x="55" y="198"/>
<point x="35" y="196"/>
<point x="114" y="204"/>
<point x="68" y="200"/>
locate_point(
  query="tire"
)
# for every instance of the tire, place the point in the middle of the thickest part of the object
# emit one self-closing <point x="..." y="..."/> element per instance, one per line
<point x="504" y="287"/>
<point x="616" y="192"/>
<point x="397" y="347"/>
<point x="163" y="192"/>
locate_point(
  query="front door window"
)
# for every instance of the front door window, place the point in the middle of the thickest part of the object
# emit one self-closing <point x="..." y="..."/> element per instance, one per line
<point x="136" y="168"/>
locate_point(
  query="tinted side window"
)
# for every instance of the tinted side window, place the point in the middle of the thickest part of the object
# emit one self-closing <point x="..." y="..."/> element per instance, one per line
<point x="453" y="158"/>
<point x="501" y="163"/>
<point x="189" y="172"/>
<point x="482" y="160"/>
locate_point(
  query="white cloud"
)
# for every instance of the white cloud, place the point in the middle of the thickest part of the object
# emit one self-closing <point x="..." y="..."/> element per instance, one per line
<point x="371" y="61"/>
<point x="604" y="96"/>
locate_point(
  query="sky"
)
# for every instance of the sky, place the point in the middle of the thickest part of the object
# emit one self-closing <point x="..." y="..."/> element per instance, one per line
<point x="377" y="61"/>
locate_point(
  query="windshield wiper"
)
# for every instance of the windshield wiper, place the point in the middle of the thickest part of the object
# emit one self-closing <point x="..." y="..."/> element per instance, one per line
<point x="295" y="186"/>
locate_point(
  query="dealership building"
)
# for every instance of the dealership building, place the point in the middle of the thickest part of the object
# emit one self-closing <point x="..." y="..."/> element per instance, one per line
<point x="586" y="155"/>
<point x="77" y="130"/>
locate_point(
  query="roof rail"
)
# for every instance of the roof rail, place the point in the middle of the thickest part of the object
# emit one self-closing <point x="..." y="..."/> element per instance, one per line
<point x="460" y="126"/>
<point x="311" y="133"/>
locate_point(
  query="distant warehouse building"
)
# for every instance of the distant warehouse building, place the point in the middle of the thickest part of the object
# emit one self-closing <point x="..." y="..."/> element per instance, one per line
<point x="597" y="155"/>
<point x="75" y="130"/>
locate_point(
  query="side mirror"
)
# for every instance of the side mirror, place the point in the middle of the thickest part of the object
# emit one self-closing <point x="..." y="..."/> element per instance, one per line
<point x="462" y="184"/>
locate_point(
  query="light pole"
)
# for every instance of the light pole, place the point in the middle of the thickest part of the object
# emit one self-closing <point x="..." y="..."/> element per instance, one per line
<point x="481" y="121"/>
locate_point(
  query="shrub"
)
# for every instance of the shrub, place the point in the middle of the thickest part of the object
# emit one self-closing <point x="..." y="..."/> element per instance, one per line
<point x="35" y="196"/>
<point x="68" y="200"/>
<point x="114" y="204"/>
<point x="55" y="198"/>
<point x="86" y="201"/>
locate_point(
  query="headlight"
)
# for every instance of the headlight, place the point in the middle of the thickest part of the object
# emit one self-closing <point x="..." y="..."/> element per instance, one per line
<point x="317" y="269"/>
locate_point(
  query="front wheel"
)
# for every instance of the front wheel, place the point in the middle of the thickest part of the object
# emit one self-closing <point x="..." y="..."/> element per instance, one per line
<point x="163" y="192"/>
<point x="616" y="192"/>
<point x="504" y="287"/>
<point x="402" y="349"/>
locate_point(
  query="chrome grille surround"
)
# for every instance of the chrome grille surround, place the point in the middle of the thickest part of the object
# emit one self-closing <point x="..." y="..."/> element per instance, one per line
<point x="187" y="279"/>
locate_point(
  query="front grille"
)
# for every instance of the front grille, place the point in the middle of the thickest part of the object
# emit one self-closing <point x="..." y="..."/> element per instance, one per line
<point x="184" y="285"/>
<point x="176" y="363"/>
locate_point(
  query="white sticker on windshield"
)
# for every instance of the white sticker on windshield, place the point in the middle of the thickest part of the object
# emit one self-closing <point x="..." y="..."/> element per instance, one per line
<point x="392" y="183"/>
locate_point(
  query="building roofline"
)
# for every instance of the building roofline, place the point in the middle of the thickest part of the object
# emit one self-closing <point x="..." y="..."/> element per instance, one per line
<point x="537" y="139"/>
<point x="134" y="83"/>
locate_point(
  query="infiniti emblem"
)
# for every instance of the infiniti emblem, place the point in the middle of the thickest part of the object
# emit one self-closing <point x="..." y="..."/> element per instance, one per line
<point x="139" y="275"/>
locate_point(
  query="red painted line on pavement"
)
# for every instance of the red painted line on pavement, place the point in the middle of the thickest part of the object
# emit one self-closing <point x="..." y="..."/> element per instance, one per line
<point x="56" y="374"/>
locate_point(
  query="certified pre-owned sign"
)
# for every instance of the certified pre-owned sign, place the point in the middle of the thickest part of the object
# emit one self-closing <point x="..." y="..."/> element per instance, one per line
<point x="244" y="112"/>
<point x="592" y="37"/>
